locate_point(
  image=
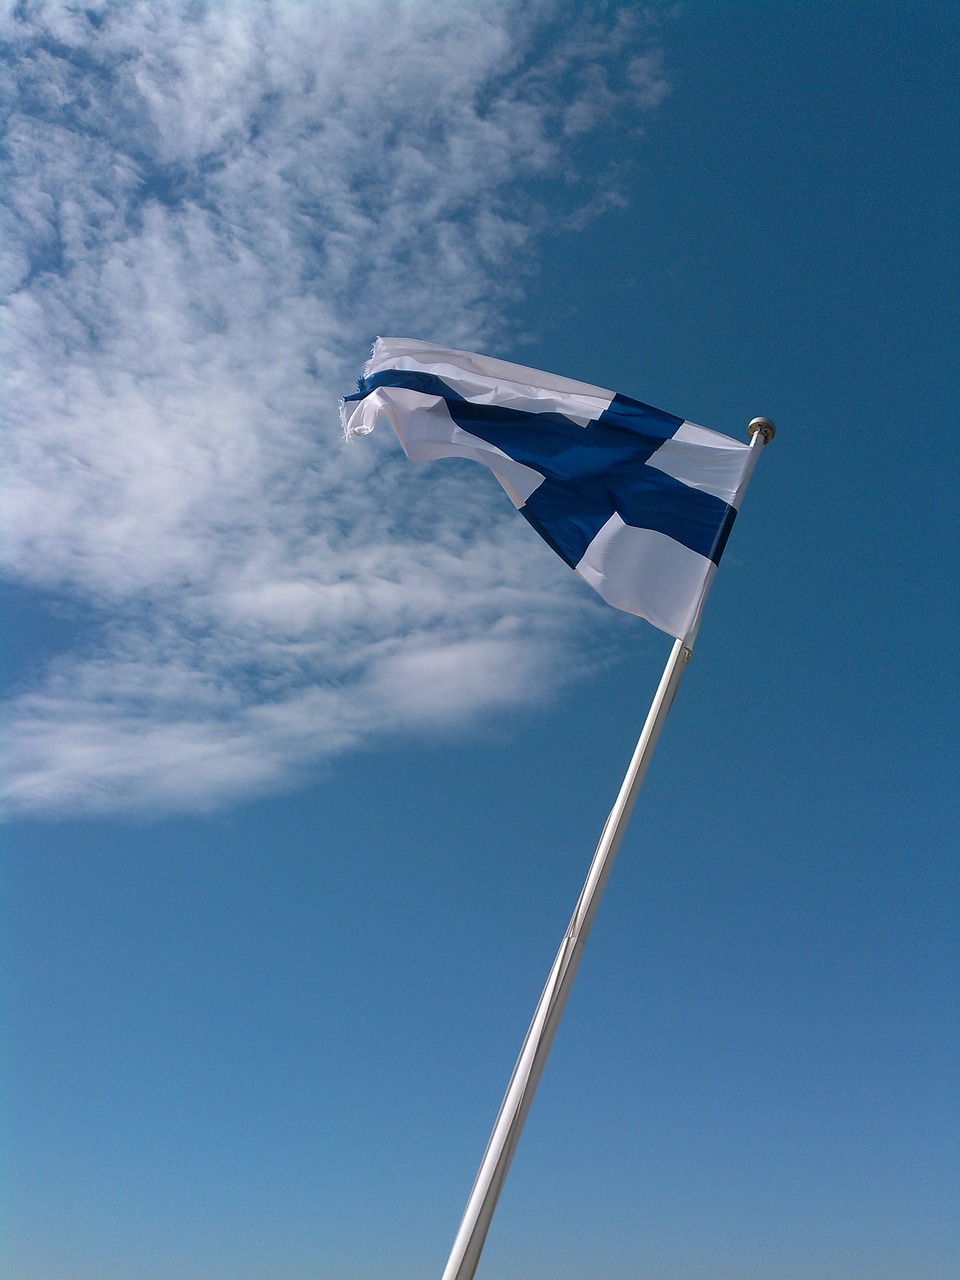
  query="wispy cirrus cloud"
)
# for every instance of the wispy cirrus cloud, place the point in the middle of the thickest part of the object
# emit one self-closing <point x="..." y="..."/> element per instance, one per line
<point x="211" y="210"/>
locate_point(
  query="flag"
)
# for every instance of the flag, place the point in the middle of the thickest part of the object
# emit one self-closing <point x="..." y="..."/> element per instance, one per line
<point x="639" y="502"/>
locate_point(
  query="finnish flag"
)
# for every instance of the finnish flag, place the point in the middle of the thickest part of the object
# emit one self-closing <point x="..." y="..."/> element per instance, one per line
<point x="639" y="502"/>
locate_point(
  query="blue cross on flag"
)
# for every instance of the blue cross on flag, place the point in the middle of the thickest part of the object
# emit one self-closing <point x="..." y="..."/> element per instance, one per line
<point x="639" y="502"/>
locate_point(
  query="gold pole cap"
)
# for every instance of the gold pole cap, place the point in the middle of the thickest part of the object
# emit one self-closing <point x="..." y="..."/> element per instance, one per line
<point x="764" y="426"/>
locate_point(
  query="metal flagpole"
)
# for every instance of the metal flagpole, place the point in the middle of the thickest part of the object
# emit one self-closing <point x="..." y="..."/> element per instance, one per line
<point x="465" y="1254"/>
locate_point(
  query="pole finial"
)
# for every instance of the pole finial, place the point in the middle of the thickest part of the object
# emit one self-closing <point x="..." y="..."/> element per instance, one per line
<point x="764" y="426"/>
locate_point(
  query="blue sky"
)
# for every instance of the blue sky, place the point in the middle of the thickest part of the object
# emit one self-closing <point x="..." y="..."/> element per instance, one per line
<point x="307" y="750"/>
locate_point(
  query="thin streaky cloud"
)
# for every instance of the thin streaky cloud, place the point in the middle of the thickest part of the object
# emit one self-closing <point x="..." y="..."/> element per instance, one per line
<point x="211" y="211"/>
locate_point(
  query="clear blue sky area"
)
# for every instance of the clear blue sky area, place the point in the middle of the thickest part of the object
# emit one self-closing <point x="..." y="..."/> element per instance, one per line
<point x="310" y="749"/>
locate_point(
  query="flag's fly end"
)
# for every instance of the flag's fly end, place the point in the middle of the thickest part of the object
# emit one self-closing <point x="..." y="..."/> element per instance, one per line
<point x="353" y="424"/>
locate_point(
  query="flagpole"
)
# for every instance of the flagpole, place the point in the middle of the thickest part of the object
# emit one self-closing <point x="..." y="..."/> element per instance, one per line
<point x="469" y="1241"/>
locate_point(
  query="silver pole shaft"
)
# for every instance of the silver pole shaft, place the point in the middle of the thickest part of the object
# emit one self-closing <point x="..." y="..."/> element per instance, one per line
<point x="465" y="1255"/>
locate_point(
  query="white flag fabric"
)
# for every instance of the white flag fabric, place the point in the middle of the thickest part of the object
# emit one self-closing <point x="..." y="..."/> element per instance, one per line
<point x="639" y="502"/>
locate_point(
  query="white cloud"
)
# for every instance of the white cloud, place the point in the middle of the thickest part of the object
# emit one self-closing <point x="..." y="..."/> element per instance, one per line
<point x="211" y="212"/>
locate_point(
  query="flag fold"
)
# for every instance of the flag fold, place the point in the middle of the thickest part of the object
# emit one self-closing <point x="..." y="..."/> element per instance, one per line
<point x="639" y="502"/>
